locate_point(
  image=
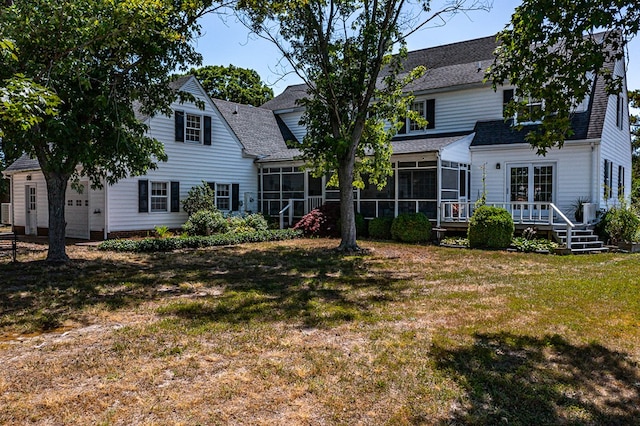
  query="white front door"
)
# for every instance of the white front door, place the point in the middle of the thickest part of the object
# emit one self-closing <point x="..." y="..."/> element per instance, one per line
<point x="31" y="203"/>
<point x="530" y="184"/>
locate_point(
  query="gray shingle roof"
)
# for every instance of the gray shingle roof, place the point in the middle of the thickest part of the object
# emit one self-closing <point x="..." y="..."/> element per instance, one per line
<point x="411" y="145"/>
<point x="288" y="98"/>
<point x="424" y="144"/>
<point x="256" y="128"/>
<point x="22" y="164"/>
<point x="447" y="65"/>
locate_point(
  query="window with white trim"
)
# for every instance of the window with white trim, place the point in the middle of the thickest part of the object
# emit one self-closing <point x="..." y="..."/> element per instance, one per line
<point x="223" y="196"/>
<point x="159" y="197"/>
<point x="193" y="128"/>
<point x="529" y="111"/>
<point x="620" y="181"/>
<point x="420" y="108"/>
<point x="608" y="177"/>
<point x="426" y="109"/>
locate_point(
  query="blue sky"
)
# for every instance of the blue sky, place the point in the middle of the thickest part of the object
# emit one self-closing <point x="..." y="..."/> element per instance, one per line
<point x="227" y="42"/>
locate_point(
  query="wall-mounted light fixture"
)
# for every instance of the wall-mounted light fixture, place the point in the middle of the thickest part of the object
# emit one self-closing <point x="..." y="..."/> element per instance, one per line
<point x="28" y="177"/>
<point x="497" y="166"/>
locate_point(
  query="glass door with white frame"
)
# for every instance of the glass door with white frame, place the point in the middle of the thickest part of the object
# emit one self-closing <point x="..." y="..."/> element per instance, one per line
<point x="530" y="189"/>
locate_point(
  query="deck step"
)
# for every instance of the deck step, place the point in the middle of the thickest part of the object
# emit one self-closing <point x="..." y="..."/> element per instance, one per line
<point x="582" y="240"/>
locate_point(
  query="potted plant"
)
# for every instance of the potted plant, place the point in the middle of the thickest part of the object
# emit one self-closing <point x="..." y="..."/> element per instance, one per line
<point x="622" y="225"/>
<point x="578" y="208"/>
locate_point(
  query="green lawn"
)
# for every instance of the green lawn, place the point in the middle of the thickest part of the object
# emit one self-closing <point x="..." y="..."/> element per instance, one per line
<point x="294" y="333"/>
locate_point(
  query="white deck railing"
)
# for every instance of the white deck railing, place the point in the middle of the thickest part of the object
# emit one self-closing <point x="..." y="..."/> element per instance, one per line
<point x="522" y="213"/>
<point x="310" y="203"/>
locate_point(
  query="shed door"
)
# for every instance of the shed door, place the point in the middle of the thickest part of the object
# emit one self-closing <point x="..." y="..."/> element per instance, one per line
<point x="31" y="204"/>
<point x="77" y="212"/>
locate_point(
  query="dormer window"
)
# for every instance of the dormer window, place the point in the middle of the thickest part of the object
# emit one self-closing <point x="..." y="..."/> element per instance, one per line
<point x="192" y="128"/>
<point x="529" y="111"/>
<point x="420" y="108"/>
<point x="426" y="109"/>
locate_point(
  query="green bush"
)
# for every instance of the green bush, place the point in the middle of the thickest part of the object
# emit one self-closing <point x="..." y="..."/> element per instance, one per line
<point x="538" y="244"/>
<point x="150" y="245"/>
<point x="490" y="227"/>
<point x="206" y="222"/>
<point x="380" y="228"/>
<point x="201" y="197"/>
<point x="411" y="228"/>
<point x="621" y="223"/>
<point x="256" y="221"/>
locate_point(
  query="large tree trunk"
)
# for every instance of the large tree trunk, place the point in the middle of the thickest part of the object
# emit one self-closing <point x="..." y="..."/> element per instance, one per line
<point x="347" y="211"/>
<point x="57" y="188"/>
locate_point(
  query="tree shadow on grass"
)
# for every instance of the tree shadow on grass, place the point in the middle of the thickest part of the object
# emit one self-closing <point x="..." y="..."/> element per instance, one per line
<point x="315" y="287"/>
<point x="522" y="380"/>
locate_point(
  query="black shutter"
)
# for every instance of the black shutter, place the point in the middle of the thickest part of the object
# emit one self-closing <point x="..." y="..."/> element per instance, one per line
<point x="212" y="185"/>
<point x="179" y="126"/>
<point x="607" y="179"/>
<point x="175" y="196"/>
<point x="143" y="196"/>
<point x="235" y="197"/>
<point x="207" y="130"/>
<point x="403" y="129"/>
<point x="431" y="113"/>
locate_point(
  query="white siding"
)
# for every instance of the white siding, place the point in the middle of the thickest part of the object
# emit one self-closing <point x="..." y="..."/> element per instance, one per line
<point x="189" y="164"/>
<point x="460" y="110"/>
<point x="616" y="144"/>
<point x="292" y="120"/>
<point x="20" y="183"/>
<point x="572" y="171"/>
<point x="458" y="151"/>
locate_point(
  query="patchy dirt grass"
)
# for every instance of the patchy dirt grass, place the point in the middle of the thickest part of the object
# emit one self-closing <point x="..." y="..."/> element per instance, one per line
<point x="294" y="333"/>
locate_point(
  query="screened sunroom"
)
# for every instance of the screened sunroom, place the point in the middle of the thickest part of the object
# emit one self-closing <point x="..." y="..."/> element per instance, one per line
<point x="425" y="174"/>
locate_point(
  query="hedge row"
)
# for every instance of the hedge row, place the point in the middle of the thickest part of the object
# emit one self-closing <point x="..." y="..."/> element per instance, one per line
<point x="149" y="245"/>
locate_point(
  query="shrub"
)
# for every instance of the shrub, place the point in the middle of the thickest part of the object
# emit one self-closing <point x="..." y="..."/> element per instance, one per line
<point x="411" y="228"/>
<point x="380" y="228"/>
<point x="201" y="197"/>
<point x="538" y="244"/>
<point x="490" y="227"/>
<point x="256" y="221"/>
<point x="150" y="245"/>
<point x="621" y="223"/>
<point x="321" y="222"/>
<point x="206" y="222"/>
<point x="162" y="231"/>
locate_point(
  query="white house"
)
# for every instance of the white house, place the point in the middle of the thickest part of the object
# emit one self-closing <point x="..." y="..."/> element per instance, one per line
<point x="202" y="145"/>
<point x="468" y="148"/>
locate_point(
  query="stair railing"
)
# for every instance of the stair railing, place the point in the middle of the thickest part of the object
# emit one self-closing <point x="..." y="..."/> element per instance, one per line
<point x="565" y="221"/>
<point x="283" y="211"/>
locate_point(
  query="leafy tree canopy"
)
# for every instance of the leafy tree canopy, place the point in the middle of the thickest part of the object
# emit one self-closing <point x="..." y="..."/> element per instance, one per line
<point x="105" y="57"/>
<point x="233" y="84"/>
<point x="343" y="50"/>
<point x="551" y="51"/>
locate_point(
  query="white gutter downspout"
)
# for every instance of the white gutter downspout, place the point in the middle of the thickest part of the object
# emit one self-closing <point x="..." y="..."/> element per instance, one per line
<point x="13" y="204"/>
<point x="438" y="195"/>
<point x="106" y="211"/>
<point x="595" y="175"/>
